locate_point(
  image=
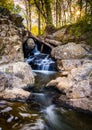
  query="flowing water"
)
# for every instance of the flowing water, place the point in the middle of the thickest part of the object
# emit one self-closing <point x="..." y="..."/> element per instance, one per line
<point x="41" y="61"/>
<point x="40" y="113"/>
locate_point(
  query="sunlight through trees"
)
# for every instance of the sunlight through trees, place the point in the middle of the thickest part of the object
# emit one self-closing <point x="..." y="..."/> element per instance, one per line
<point x="39" y="14"/>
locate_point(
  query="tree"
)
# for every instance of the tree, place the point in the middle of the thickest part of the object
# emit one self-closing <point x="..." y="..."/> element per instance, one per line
<point x="28" y="5"/>
<point x="44" y="7"/>
<point x="9" y="4"/>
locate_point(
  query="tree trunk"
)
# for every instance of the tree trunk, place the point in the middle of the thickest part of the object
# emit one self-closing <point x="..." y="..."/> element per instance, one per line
<point x="86" y="10"/>
<point x="26" y="6"/>
<point x="81" y="4"/>
<point x="49" y="20"/>
<point x="59" y="13"/>
<point x="56" y="13"/>
<point x="39" y="23"/>
<point x="29" y="6"/>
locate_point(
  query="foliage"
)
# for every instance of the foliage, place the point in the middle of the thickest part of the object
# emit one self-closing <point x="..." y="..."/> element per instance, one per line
<point x="82" y="28"/>
<point x="34" y="30"/>
<point x="83" y="24"/>
<point x="39" y="14"/>
<point x="9" y="4"/>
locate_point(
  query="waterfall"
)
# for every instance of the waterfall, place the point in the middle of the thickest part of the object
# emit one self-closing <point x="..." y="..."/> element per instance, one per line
<point x="35" y="50"/>
<point x="41" y="61"/>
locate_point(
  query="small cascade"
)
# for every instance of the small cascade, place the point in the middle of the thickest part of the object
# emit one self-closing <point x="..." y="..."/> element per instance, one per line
<point x="35" y="51"/>
<point x="41" y="61"/>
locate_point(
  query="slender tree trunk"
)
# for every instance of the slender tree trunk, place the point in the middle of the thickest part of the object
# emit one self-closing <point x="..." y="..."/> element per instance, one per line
<point x="59" y="13"/>
<point x="56" y="13"/>
<point x="26" y="6"/>
<point x="29" y="6"/>
<point x="81" y="4"/>
<point x="86" y="10"/>
<point x="91" y="10"/>
<point x="64" y="17"/>
<point x="91" y="7"/>
<point x="69" y="4"/>
<point x="49" y="20"/>
<point x="39" y="23"/>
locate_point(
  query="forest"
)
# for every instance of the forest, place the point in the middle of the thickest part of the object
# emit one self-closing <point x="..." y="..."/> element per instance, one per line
<point x="41" y="14"/>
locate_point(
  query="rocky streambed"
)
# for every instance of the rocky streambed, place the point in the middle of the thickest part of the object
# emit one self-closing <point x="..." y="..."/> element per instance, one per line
<point x="41" y="112"/>
<point x="45" y="96"/>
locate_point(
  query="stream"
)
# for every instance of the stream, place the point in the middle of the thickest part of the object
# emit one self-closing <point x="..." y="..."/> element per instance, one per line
<point x="40" y="112"/>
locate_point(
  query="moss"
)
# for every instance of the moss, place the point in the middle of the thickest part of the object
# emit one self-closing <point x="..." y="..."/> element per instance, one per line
<point x="81" y="29"/>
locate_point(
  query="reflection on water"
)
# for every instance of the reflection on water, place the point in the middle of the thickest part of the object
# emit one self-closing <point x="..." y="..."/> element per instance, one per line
<point x="21" y="116"/>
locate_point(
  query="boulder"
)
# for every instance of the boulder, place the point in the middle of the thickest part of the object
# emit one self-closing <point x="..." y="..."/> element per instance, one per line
<point x="30" y="43"/>
<point x="14" y="77"/>
<point x="77" y="87"/>
<point x="62" y="83"/>
<point x="69" y="51"/>
<point x="28" y="47"/>
<point x="71" y="34"/>
<point x="11" y="87"/>
<point x="11" y="37"/>
<point x="69" y="64"/>
<point x="58" y="35"/>
<point x="21" y="70"/>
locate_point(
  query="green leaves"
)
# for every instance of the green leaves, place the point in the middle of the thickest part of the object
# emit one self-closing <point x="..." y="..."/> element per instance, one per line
<point x="9" y="4"/>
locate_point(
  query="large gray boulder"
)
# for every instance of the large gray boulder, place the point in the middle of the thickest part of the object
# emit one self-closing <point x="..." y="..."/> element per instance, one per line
<point x="69" y="64"/>
<point x="14" y="77"/>
<point x="70" y="51"/>
<point x="10" y="87"/>
<point x="77" y="87"/>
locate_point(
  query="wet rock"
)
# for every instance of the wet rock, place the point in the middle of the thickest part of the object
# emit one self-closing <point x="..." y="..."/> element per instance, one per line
<point x="77" y="87"/>
<point x="69" y="51"/>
